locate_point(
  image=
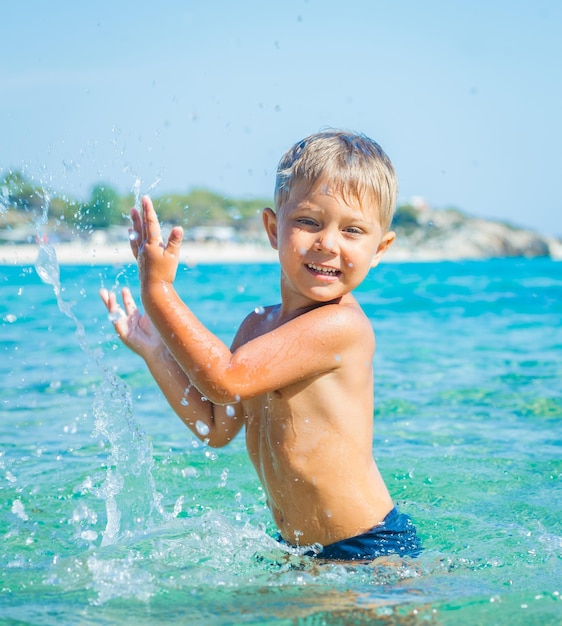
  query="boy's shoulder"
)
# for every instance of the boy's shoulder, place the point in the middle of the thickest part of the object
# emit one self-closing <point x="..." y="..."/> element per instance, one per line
<point x="256" y="323"/>
<point x="344" y="320"/>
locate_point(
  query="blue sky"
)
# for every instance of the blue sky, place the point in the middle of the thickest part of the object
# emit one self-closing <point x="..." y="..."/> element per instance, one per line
<point x="464" y="96"/>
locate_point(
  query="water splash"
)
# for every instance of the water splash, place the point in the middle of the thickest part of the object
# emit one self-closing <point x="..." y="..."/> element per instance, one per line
<point x="137" y="189"/>
<point x="137" y="192"/>
<point x="48" y="270"/>
<point x="132" y="502"/>
<point x="130" y="505"/>
<point x="4" y="199"/>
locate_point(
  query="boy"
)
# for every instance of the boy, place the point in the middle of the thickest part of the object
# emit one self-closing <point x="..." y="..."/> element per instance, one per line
<point x="299" y="374"/>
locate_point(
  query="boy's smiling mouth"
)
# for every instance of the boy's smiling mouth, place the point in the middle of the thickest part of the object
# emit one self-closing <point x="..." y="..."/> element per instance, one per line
<point x="322" y="270"/>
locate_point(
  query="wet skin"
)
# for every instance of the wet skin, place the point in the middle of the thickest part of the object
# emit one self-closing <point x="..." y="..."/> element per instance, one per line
<point x="298" y="375"/>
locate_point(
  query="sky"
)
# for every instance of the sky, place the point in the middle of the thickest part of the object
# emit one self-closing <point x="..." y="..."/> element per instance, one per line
<point x="464" y="96"/>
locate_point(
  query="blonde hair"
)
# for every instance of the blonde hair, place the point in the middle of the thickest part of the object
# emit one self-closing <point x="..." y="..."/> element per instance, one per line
<point x="354" y="163"/>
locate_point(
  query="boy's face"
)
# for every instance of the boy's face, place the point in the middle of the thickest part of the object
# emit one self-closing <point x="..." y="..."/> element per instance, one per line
<point x="326" y="244"/>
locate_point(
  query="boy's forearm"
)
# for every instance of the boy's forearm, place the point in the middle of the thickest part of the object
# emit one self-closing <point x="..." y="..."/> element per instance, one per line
<point x="175" y="384"/>
<point x="197" y="351"/>
<point x="194" y="411"/>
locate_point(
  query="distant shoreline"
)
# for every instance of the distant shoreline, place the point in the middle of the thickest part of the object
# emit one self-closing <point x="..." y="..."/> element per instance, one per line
<point x="429" y="236"/>
<point x="119" y="253"/>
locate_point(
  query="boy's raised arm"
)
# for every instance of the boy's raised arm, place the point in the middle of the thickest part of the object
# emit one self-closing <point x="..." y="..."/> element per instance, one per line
<point x="271" y="361"/>
<point x="216" y="424"/>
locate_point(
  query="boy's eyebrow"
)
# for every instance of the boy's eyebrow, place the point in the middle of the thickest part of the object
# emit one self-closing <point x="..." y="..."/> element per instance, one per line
<point x="358" y="217"/>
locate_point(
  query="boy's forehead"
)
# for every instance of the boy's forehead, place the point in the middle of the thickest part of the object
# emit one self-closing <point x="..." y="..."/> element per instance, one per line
<point x="304" y="191"/>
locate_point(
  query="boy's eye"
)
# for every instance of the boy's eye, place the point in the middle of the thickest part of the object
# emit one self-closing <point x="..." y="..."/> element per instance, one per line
<point x="306" y="221"/>
<point x="354" y="230"/>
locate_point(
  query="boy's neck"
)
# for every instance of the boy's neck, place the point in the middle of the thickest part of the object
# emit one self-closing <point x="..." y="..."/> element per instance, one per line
<point x="290" y="308"/>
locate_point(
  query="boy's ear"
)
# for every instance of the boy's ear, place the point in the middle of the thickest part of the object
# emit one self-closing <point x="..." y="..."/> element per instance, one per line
<point x="270" y="224"/>
<point x="383" y="247"/>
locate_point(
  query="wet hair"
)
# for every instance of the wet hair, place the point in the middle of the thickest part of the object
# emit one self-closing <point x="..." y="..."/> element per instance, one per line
<point x="356" y="165"/>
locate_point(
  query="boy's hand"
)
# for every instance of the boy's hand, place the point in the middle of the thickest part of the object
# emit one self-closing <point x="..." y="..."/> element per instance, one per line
<point x="135" y="330"/>
<point x="157" y="263"/>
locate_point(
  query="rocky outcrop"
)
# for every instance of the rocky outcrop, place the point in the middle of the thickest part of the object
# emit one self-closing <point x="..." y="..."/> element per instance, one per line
<point x="449" y="234"/>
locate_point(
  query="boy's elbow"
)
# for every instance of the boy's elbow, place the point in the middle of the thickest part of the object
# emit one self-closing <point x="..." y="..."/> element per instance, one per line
<point x="228" y="393"/>
<point x="219" y="442"/>
<point x="219" y="438"/>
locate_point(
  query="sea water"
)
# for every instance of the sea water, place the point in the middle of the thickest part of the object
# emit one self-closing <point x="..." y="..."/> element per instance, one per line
<point x="111" y="512"/>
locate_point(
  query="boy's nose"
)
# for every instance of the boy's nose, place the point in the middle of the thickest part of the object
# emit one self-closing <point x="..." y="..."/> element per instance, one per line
<point x="326" y="242"/>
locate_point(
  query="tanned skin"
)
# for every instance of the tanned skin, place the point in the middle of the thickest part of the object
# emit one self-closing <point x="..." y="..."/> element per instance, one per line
<point x="298" y="376"/>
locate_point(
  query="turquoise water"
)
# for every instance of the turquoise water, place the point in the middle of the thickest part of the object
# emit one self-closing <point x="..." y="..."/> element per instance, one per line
<point x="112" y="513"/>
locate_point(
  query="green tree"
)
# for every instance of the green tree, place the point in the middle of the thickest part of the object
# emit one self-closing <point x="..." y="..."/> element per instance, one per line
<point x="406" y="217"/>
<point x="103" y="209"/>
<point x="202" y="207"/>
<point x="21" y="193"/>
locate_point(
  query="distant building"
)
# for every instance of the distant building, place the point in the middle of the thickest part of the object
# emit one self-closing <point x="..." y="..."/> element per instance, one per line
<point x="221" y="234"/>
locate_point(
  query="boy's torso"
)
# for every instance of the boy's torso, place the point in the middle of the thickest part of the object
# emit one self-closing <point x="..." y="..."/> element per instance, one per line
<point x="311" y="445"/>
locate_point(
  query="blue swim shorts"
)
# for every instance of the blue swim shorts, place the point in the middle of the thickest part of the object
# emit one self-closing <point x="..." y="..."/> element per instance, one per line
<point x="396" y="534"/>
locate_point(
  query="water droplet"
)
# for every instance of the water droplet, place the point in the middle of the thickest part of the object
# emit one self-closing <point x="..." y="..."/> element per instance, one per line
<point x="133" y="235"/>
<point x="202" y="428"/>
<point x="184" y="402"/>
<point x="337" y="357"/>
<point x="224" y="478"/>
<point x="189" y="472"/>
<point x="10" y="318"/>
<point x="230" y="411"/>
<point x="19" y="510"/>
<point x="115" y="316"/>
<point x="89" y="535"/>
<point x="259" y="310"/>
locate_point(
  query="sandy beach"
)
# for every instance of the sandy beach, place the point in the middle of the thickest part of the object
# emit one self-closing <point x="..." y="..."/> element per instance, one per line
<point x="120" y="253"/>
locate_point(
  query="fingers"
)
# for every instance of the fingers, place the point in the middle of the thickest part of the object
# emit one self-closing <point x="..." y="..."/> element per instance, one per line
<point x="175" y="239"/>
<point x="135" y="233"/>
<point x="146" y="227"/>
<point x="128" y="301"/>
<point x="146" y="230"/>
<point x="134" y="242"/>
<point x="116" y="313"/>
<point x="109" y="300"/>
<point x="104" y="295"/>
<point x="137" y="221"/>
<point x="151" y="226"/>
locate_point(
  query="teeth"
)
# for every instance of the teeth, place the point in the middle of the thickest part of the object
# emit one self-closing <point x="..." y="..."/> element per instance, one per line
<point x="323" y="270"/>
